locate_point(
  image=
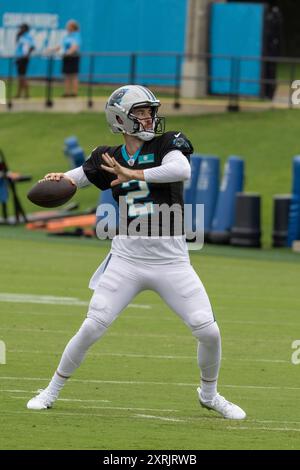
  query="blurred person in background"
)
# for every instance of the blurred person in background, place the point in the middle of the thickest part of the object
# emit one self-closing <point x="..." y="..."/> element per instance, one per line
<point x="70" y="48"/>
<point x="24" y="47"/>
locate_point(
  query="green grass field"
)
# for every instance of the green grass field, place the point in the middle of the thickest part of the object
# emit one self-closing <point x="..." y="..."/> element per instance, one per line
<point x="137" y="386"/>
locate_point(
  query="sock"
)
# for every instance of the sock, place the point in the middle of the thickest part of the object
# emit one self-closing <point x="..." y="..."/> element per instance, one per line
<point x="209" y="358"/>
<point x="208" y="389"/>
<point x="56" y="384"/>
<point x="74" y="353"/>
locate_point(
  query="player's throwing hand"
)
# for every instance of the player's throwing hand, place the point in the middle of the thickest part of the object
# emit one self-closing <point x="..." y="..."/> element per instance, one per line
<point x="57" y="177"/>
<point x="123" y="174"/>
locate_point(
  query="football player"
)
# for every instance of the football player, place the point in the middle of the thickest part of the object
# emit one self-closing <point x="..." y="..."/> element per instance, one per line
<point x="147" y="171"/>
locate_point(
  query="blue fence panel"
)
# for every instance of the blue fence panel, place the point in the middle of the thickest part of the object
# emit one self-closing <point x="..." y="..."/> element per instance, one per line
<point x="236" y="30"/>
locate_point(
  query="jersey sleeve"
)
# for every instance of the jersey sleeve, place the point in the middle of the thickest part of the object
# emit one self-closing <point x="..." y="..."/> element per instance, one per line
<point x="175" y="141"/>
<point x="93" y="171"/>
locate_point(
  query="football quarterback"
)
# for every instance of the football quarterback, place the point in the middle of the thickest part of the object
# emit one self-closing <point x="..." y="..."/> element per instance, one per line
<point x="145" y="174"/>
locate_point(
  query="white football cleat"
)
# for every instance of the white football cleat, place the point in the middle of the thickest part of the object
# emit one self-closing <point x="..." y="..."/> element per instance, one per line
<point x="42" y="401"/>
<point x="221" y="405"/>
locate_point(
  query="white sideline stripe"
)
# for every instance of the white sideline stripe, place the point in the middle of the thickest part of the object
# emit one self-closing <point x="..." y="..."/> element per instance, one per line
<point x="232" y="428"/>
<point x="136" y="382"/>
<point x="97" y="415"/>
<point x="41" y="299"/>
<point x="130" y="335"/>
<point x="265" y="421"/>
<point x="161" y="418"/>
<point x="19" y="397"/>
<point x="155" y="317"/>
<point x="267" y="323"/>
<point x="102" y="407"/>
<point x="264" y="428"/>
<point x="249" y="420"/>
<point x="135" y="335"/>
<point x="53" y="300"/>
<point x="56" y="300"/>
<point x="33" y="330"/>
<point x="142" y="356"/>
<point x="174" y="319"/>
<point x="147" y="356"/>
<point x="47" y="413"/>
<point x="79" y="400"/>
<point x="128" y="408"/>
<point x="87" y="401"/>
<point x="164" y="318"/>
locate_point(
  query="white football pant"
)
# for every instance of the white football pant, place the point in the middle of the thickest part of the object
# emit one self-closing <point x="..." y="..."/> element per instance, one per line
<point x="176" y="283"/>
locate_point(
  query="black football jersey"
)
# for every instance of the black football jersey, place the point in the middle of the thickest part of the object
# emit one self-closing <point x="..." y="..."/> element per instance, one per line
<point x="143" y="200"/>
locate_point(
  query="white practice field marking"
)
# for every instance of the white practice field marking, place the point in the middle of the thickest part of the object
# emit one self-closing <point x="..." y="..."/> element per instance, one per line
<point x="79" y="400"/>
<point x="73" y="301"/>
<point x="161" y="418"/>
<point x="151" y="317"/>
<point x="34" y="392"/>
<point x="185" y="419"/>
<point x="218" y="420"/>
<point x="148" y="356"/>
<point x="249" y="420"/>
<point x="263" y="428"/>
<point x="49" y="413"/>
<point x="136" y="382"/>
<point x="53" y="300"/>
<point x="183" y="337"/>
<point x="125" y="408"/>
<point x="129" y="335"/>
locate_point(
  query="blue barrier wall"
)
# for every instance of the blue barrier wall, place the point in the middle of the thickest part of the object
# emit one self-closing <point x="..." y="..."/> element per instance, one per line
<point x="208" y="188"/>
<point x="236" y="29"/>
<point x="294" y="213"/>
<point x="232" y="183"/>
<point x="106" y="26"/>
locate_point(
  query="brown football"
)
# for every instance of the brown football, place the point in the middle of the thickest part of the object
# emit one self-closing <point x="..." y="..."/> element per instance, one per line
<point x="48" y="193"/>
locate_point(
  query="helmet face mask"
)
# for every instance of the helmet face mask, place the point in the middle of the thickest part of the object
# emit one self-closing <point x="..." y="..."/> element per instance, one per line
<point x="141" y="129"/>
<point x="122" y="119"/>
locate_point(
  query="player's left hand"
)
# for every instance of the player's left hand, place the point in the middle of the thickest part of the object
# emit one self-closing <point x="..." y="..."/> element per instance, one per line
<point x="112" y="166"/>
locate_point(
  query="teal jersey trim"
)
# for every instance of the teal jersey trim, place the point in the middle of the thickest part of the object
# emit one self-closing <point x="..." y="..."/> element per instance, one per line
<point x="126" y="156"/>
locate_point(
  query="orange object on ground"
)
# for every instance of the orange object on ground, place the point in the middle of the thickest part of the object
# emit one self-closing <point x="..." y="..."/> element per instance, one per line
<point x="76" y="221"/>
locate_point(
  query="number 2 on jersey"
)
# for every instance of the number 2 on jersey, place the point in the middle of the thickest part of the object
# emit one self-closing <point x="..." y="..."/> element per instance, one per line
<point x="136" y="208"/>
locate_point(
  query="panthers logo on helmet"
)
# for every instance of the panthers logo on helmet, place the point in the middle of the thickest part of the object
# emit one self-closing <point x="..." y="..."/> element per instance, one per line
<point x="116" y="98"/>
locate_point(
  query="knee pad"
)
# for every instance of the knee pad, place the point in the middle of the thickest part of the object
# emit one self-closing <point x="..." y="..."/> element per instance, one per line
<point x="90" y="331"/>
<point x="208" y="334"/>
<point x="99" y="310"/>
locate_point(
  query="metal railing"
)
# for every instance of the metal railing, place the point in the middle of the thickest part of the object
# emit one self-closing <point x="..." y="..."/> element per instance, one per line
<point x="172" y="80"/>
